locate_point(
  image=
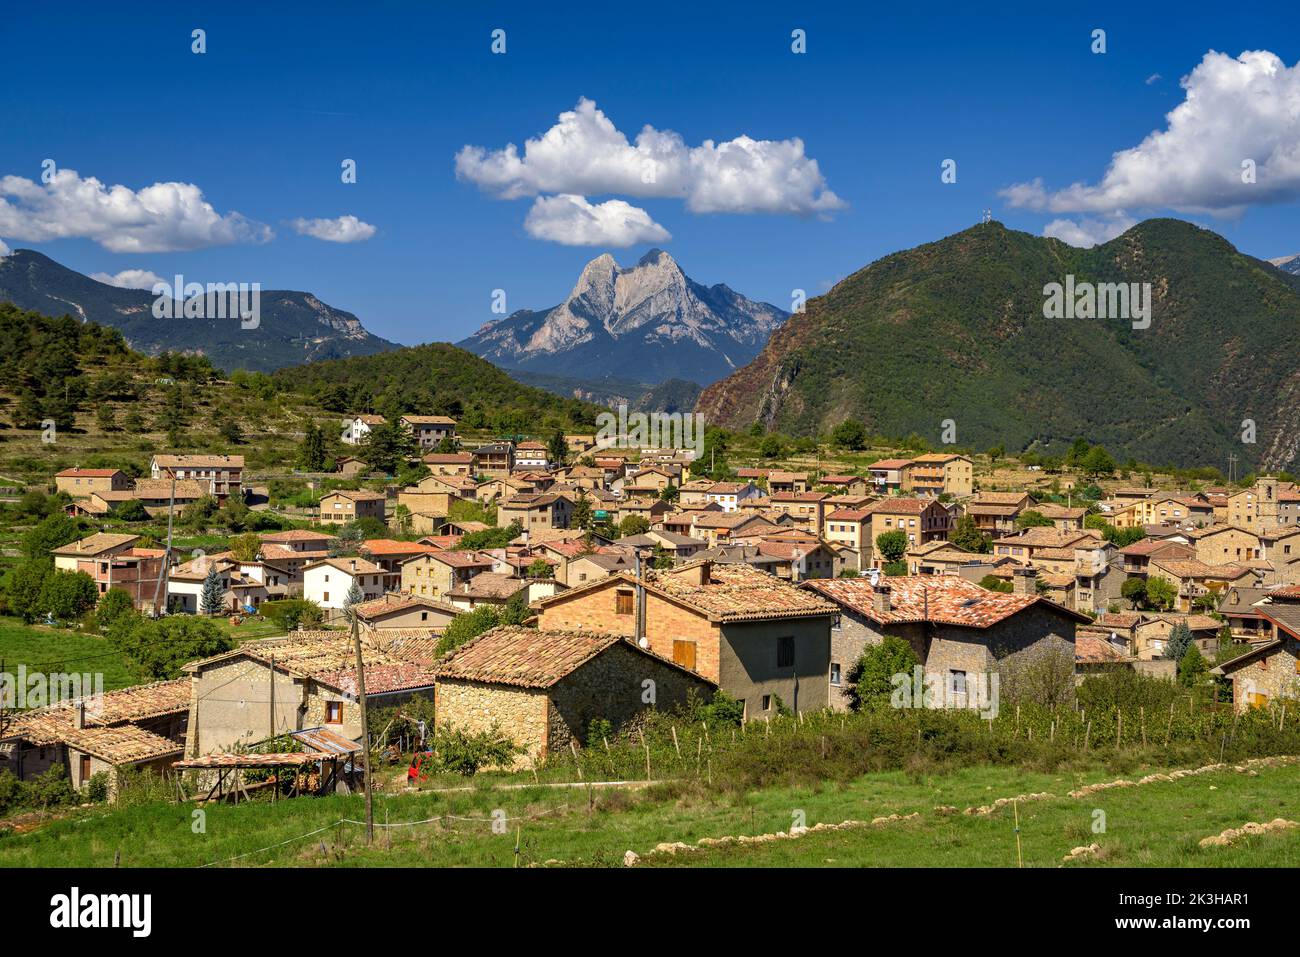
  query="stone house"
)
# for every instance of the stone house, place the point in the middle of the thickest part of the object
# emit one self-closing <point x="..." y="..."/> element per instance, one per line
<point x="807" y="509"/>
<point x="1271" y="669"/>
<point x="536" y="512"/>
<point x="938" y="472"/>
<point x="759" y="638"/>
<point x="225" y="473"/>
<point x="544" y="688"/>
<point x="272" y="686"/>
<point x="80" y="483"/>
<point x="449" y="463"/>
<point x="142" y="727"/>
<point x="920" y="519"/>
<point x="1224" y="544"/>
<point x="346" y="505"/>
<point x="1193" y="579"/>
<point x="960" y="632"/>
<point x="995" y="513"/>
<point x="844" y="484"/>
<point x="435" y="574"/>
<point x="429" y="430"/>
<point x="791" y="483"/>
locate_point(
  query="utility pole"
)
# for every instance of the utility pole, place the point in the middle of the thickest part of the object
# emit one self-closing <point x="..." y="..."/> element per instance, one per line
<point x="365" y="727"/>
<point x="167" y="554"/>
<point x="272" y="696"/>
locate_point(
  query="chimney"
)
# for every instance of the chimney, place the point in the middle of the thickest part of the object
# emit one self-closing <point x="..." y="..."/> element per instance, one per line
<point x="699" y="573"/>
<point x="880" y="599"/>
<point x="79" y="720"/>
<point x="1024" y="581"/>
<point x="354" y="564"/>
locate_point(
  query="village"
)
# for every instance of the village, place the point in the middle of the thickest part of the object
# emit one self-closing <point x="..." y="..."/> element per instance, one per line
<point x="607" y="571"/>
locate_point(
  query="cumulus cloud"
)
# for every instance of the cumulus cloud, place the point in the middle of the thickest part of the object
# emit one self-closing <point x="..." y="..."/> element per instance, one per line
<point x="129" y="279"/>
<point x="345" y="229"/>
<point x="1088" y="232"/>
<point x="164" y="217"/>
<point x="573" y="221"/>
<point x="585" y="154"/>
<point x="1234" y="110"/>
<point x="4" y="250"/>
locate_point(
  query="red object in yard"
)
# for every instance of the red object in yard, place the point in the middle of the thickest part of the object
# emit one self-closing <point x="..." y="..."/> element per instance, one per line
<point x="420" y="766"/>
<point x="235" y="620"/>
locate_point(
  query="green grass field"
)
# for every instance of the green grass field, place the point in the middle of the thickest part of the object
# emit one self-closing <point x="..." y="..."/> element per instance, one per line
<point x="1158" y="824"/>
<point x="49" y="650"/>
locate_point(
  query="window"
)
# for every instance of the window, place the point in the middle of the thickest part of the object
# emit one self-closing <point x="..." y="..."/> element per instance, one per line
<point x="684" y="653"/>
<point x="957" y="682"/>
<point x="333" y="712"/>
<point x="785" y="651"/>
<point x="767" y="702"/>
<point x="835" y="673"/>
<point x="325" y="596"/>
<point x="85" y="768"/>
<point x="623" y="603"/>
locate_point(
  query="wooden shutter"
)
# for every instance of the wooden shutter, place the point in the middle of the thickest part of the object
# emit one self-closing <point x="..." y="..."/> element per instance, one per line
<point x="684" y="653"/>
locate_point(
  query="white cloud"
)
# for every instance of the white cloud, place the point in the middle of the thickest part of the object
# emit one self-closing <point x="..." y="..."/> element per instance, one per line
<point x="1087" y="232"/>
<point x="573" y="221"/>
<point x="1233" y="110"/>
<point x="4" y="250"/>
<point x="129" y="279"/>
<point x="345" y="229"/>
<point x="164" y="217"/>
<point x="584" y="153"/>
<point x="1153" y="78"/>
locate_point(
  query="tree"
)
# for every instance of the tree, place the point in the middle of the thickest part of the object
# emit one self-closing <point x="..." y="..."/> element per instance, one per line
<point x="581" y="513"/>
<point x="229" y="429"/>
<point x="105" y="419"/>
<point x="133" y="422"/>
<point x="993" y="583"/>
<point x="871" y="680"/>
<point x="199" y="513"/>
<point x="557" y="449"/>
<point x="850" y="434"/>
<point x="212" y="598"/>
<point x="892" y="545"/>
<point x="132" y="510"/>
<point x="158" y="649"/>
<point x="313" y="452"/>
<point x="1134" y="591"/>
<point x="23" y="588"/>
<point x="464" y="627"/>
<point x="68" y="595"/>
<point x="1031" y="519"/>
<point x="1193" y="669"/>
<point x="53" y="531"/>
<point x="1180" y="640"/>
<point x="245" y="547"/>
<point x="115" y="605"/>
<point x="996" y="453"/>
<point x="771" y="447"/>
<point x="387" y="447"/>
<point x="539" y="568"/>
<point x="1161" y="593"/>
<point x="1097" y="463"/>
<point x="968" y="536"/>
<point x="354" y="597"/>
<point x="633" y="525"/>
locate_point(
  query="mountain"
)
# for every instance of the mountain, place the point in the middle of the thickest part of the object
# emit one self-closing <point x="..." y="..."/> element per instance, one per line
<point x="671" y="395"/>
<point x="1289" y="264"/>
<point x="294" y="327"/>
<point x="955" y="329"/>
<point x="647" y="323"/>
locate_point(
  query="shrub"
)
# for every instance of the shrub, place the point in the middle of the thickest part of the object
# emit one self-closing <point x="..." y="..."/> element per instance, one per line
<point x="289" y="613"/>
<point x="871" y="682"/>
<point x="465" y="752"/>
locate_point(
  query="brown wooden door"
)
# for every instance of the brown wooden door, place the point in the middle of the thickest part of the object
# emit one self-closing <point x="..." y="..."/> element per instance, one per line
<point x="684" y="653"/>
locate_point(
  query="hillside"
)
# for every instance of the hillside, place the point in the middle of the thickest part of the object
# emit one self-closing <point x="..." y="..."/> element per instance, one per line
<point x="436" y="378"/>
<point x="955" y="329"/>
<point x="294" y="327"/>
<point x="647" y="323"/>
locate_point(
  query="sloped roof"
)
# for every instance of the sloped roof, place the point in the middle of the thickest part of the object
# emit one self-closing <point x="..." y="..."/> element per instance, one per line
<point x="42" y="726"/>
<point x="940" y="599"/>
<point x="200" y="461"/>
<point x="96" y="544"/>
<point x="532" y="658"/>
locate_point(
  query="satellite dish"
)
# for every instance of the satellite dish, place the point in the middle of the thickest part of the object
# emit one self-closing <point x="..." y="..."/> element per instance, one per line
<point x="874" y="575"/>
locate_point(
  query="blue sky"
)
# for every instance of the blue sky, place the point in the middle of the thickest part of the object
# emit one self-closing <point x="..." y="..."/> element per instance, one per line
<point x="261" y="122"/>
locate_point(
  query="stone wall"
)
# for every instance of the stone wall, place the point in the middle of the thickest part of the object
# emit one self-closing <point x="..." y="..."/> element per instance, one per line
<point x="611" y="686"/>
<point x="1272" y="676"/>
<point x="475" y="707"/>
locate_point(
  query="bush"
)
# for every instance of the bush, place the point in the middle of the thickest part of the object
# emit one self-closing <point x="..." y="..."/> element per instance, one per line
<point x="97" y="787"/>
<point x="289" y="613"/>
<point x="158" y="649"/>
<point x="465" y="753"/>
<point x="871" y="683"/>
